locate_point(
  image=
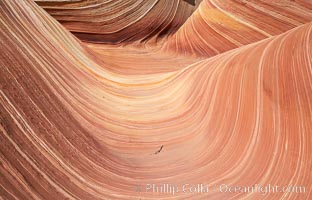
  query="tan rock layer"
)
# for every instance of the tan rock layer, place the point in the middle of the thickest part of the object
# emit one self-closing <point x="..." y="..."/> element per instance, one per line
<point x="221" y="25"/>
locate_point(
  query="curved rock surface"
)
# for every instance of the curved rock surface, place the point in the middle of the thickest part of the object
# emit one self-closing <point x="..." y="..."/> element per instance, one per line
<point x="81" y="120"/>
<point x="221" y="25"/>
<point x="119" y="21"/>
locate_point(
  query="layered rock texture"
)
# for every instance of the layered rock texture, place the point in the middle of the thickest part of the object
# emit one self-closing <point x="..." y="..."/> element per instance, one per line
<point x="101" y="99"/>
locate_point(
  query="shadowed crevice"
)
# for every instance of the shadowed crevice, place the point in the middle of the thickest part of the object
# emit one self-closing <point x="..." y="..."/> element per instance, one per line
<point x="191" y="2"/>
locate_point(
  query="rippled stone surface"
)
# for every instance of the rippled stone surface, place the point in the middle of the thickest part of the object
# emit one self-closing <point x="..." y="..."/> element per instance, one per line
<point x="223" y="96"/>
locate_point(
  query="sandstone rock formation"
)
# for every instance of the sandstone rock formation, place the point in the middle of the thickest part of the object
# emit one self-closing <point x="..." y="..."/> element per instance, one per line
<point x="102" y="99"/>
